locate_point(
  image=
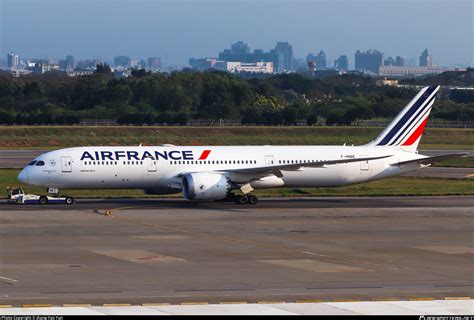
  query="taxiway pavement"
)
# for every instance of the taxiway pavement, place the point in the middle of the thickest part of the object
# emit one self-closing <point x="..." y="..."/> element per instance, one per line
<point x="175" y="251"/>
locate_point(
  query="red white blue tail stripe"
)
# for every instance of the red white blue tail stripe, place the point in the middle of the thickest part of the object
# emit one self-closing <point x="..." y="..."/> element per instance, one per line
<point x="407" y="127"/>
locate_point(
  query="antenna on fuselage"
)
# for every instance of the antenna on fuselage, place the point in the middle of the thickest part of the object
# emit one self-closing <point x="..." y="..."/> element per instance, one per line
<point x="140" y="144"/>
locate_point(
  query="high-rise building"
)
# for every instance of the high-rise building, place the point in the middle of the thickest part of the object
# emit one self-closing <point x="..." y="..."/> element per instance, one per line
<point x="62" y="64"/>
<point x="319" y="60"/>
<point x="425" y="59"/>
<point x="285" y="57"/>
<point x="311" y="57"/>
<point x="368" y="61"/>
<point x="399" y="62"/>
<point x="135" y="63"/>
<point x="122" y="61"/>
<point x="240" y="52"/>
<point x="70" y="63"/>
<point x="342" y="63"/>
<point x="13" y="60"/>
<point x="239" y="47"/>
<point x="154" y="64"/>
<point x="300" y="64"/>
<point x="389" y="61"/>
<point x="281" y="57"/>
<point x="67" y="64"/>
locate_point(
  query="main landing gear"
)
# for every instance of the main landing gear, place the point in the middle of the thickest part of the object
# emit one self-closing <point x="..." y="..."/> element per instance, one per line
<point x="243" y="199"/>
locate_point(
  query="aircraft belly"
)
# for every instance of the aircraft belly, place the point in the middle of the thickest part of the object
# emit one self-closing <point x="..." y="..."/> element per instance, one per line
<point x="315" y="177"/>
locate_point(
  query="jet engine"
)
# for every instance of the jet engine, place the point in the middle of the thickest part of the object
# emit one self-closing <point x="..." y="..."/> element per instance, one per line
<point x="205" y="186"/>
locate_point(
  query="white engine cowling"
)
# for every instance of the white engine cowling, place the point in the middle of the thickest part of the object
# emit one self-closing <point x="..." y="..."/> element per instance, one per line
<point x="205" y="186"/>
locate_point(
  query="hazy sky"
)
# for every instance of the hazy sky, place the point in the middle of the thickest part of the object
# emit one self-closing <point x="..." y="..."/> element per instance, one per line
<point x="179" y="29"/>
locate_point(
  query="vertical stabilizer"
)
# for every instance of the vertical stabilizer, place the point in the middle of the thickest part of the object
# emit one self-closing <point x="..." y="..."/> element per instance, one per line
<point x="406" y="129"/>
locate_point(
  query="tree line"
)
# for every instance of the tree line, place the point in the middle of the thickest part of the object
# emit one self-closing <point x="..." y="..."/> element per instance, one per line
<point x="177" y="97"/>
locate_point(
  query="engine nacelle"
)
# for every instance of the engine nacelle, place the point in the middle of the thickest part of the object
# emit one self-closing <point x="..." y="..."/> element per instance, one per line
<point x="205" y="186"/>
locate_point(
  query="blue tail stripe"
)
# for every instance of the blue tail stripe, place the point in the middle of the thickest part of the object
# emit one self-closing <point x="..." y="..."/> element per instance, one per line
<point x="407" y="128"/>
<point x="407" y="115"/>
<point x="422" y="116"/>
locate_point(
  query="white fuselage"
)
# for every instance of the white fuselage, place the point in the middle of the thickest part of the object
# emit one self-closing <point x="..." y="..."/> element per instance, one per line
<point x="161" y="168"/>
<point x="210" y="173"/>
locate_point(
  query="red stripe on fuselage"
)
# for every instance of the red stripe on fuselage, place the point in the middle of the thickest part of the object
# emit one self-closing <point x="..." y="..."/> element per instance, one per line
<point x="204" y="155"/>
<point x="415" y="135"/>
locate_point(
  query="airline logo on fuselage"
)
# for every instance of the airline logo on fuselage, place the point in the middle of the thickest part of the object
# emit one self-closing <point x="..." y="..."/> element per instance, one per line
<point x="142" y="155"/>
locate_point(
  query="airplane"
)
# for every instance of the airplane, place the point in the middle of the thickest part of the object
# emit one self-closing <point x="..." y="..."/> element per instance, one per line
<point x="215" y="172"/>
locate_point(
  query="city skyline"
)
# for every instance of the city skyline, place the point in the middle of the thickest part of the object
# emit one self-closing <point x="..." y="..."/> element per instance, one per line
<point x="281" y="57"/>
<point x="178" y="30"/>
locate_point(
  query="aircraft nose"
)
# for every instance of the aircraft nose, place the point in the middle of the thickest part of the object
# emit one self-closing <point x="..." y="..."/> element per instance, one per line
<point x="23" y="176"/>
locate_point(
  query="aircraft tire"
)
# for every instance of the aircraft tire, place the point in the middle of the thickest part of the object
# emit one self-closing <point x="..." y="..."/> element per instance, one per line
<point x="240" y="199"/>
<point x="252" y="199"/>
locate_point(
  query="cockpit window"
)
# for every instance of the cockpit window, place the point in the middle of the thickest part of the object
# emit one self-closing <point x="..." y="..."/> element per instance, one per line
<point x="39" y="163"/>
<point x="32" y="163"/>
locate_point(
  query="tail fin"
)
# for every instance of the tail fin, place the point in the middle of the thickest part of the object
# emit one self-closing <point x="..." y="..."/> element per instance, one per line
<point x="406" y="129"/>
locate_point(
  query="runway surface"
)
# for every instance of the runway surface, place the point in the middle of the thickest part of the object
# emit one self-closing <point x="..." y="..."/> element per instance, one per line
<point x="173" y="251"/>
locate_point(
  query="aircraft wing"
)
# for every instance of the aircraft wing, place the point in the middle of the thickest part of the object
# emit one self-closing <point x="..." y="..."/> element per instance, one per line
<point x="276" y="169"/>
<point x="430" y="160"/>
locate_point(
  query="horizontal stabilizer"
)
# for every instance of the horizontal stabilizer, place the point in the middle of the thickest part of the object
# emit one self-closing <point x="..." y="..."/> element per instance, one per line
<point x="430" y="160"/>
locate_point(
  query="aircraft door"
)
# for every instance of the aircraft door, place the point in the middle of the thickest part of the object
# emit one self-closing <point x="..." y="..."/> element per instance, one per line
<point x="364" y="165"/>
<point x="152" y="164"/>
<point x="66" y="164"/>
<point x="269" y="161"/>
